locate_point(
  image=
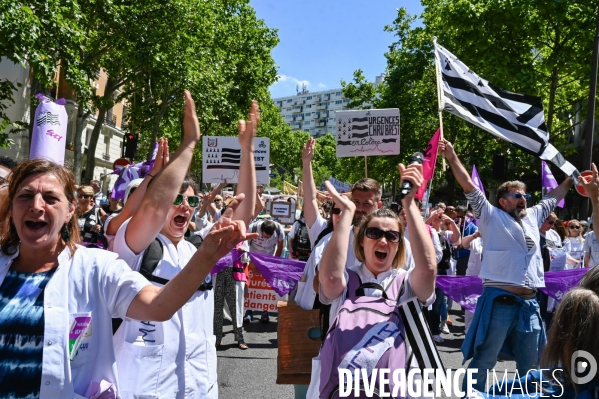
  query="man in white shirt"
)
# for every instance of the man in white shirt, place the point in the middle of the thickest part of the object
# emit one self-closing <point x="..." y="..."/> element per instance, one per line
<point x="98" y="196"/>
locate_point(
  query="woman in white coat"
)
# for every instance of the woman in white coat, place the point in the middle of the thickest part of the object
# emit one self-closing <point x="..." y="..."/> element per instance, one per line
<point x="57" y="299"/>
<point x="175" y="358"/>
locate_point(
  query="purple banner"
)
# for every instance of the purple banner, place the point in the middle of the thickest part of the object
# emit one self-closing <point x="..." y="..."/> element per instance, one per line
<point x="476" y="180"/>
<point x="466" y="289"/>
<point x="226" y="261"/>
<point x="281" y="274"/>
<point x="548" y="181"/>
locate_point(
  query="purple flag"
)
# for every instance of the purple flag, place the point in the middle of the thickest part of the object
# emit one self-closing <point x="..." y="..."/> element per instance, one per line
<point x="281" y="274"/>
<point x="130" y="173"/>
<point x="548" y="181"/>
<point x="476" y="179"/>
<point x="466" y="289"/>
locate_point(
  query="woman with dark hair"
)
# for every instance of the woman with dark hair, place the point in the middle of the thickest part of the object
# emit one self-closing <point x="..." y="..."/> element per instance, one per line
<point x="177" y="357"/>
<point x="58" y="298"/>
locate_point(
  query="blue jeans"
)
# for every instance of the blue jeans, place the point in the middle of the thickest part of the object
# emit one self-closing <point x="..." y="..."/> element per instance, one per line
<point x="502" y="327"/>
<point x="436" y="312"/>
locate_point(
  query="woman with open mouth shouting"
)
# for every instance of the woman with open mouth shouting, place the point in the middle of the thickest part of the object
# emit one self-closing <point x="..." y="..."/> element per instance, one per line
<point x="381" y="249"/>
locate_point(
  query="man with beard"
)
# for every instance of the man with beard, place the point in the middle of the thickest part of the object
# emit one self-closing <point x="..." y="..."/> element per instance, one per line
<point x="507" y="318"/>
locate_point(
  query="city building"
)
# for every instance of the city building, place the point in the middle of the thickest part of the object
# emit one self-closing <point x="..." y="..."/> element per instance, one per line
<point x="110" y="143"/>
<point x="314" y="113"/>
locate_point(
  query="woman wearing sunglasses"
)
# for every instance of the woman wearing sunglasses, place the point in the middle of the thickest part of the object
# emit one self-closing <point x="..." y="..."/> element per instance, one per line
<point x="90" y="216"/>
<point x="175" y="358"/>
<point x="574" y="242"/>
<point x="380" y="247"/>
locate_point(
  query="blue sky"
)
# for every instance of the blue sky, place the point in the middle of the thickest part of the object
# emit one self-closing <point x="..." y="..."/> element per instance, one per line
<point x="324" y="41"/>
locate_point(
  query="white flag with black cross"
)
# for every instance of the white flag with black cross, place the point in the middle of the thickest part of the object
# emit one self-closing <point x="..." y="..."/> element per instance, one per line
<point x="515" y="118"/>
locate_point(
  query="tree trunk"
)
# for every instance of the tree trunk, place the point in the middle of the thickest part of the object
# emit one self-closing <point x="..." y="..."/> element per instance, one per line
<point x="82" y="116"/>
<point x="90" y="165"/>
<point x="36" y="87"/>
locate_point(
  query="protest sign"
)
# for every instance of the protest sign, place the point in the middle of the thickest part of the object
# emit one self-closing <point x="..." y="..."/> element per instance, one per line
<point x="260" y="296"/>
<point x="49" y="131"/>
<point x="339" y="185"/>
<point x="221" y="157"/>
<point x="367" y="132"/>
<point x="282" y="211"/>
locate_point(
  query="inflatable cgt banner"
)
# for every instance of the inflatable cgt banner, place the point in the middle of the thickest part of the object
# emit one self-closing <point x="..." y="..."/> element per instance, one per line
<point x="48" y="139"/>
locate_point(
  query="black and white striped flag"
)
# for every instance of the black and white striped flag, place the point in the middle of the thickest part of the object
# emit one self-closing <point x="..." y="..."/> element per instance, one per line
<point x="515" y="118"/>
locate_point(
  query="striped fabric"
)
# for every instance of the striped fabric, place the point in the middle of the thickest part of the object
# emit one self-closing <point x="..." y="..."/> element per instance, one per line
<point x="419" y="337"/>
<point x="515" y="118"/>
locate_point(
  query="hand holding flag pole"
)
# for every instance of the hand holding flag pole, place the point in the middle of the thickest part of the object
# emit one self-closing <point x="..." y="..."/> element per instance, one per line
<point x="440" y="99"/>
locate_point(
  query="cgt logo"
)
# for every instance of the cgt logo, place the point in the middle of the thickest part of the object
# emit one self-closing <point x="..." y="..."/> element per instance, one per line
<point x="584" y="367"/>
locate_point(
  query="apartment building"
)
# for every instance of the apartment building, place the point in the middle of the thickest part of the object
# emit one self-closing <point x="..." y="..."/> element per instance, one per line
<point x="110" y="143"/>
<point x="314" y="113"/>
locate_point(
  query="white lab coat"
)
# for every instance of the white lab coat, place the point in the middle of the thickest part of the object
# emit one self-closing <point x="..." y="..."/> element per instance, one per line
<point x="94" y="283"/>
<point x="181" y="363"/>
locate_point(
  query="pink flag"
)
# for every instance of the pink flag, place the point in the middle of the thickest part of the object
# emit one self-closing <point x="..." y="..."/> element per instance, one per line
<point x="429" y="162"/>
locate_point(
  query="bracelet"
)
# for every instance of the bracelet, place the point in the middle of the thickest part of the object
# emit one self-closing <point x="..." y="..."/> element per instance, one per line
<point x="152" y="176"/>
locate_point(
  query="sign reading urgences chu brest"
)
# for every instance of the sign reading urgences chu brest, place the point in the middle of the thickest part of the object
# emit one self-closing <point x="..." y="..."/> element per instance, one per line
<point x="367" y="132"/>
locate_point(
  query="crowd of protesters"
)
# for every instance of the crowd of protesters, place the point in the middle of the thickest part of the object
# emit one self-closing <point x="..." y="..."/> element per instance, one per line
<point x="108" y="297"/>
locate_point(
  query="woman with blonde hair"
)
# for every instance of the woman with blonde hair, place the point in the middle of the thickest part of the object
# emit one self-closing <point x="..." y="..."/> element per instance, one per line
<point x="89" y="216"/>
<point x="574" y="242"/>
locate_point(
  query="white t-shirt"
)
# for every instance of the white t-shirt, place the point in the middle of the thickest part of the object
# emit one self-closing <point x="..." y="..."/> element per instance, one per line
<point x="436" y="242"/>
<point x="317" y="227"/>
<point x="267" y="246"/>
<point x="591" y="246"/>
<point x="181" y="362"/>
<point x="551" y="235"/>
<point x="575" y="248"/>
<point x="475" y="259"/>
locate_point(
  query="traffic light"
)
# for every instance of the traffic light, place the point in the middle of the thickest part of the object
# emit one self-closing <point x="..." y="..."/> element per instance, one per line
<point x="130" y="146"/>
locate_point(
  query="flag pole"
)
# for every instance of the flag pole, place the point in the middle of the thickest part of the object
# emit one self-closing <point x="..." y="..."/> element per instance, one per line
<point x="365" y="166"/>
<point x="439" y="97"/>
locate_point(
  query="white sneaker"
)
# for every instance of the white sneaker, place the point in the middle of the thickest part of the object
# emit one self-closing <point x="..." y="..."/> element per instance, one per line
<point x="443" y="327"/>
<point x="438" y="338"/>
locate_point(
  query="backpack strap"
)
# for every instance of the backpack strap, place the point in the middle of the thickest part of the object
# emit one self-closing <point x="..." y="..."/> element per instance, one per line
<point x="150" y="260"/>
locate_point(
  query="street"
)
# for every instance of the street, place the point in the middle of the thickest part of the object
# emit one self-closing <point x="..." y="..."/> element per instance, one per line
<point x="251" y="374"/>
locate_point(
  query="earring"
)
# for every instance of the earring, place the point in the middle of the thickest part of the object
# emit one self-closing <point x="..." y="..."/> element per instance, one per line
<point x="65" y="234"/>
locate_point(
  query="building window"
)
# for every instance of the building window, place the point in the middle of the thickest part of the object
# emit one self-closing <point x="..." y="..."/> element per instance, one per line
<point x="345" y="101"/>
<point x="338" y="102"/>
<point x="338" y="93"/>
<point x="307" y="123"/>
<point x="309" y="98"/>
<point x="288" y="101"/>
<point x="309" y="106"/>
<point x="308" y="114"/>
<point x="288" y="109"/>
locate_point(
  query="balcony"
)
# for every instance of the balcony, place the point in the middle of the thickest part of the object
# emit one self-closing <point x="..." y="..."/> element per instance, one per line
<point x="317" y="99"/>
<point x="296" y="110"/>
<point x="321" y="106"/>
<point x="110" y="119"/>
<point x="106" y="157"/>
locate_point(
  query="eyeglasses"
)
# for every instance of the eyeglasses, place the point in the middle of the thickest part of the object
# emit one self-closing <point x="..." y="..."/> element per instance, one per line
<point x="551" y="222"/>
<point x="336" y="211"/>
<point x="574" y="227"/>
<point x="518" y="196"/>
<point x="374" y="233"/>
<point x="85" y="196"/>
<point x="218" y="200"/>
<point x="192" y="200"/>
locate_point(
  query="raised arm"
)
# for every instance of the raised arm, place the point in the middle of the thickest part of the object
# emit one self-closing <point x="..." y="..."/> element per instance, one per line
<point x="456" y="237"/>
<point x="134" y="200"/>
<point x="560" y="191"/>
<point x="247" y="170"/>
<point x="332" y="265"/>
<point x="422" y="278"/>
<point x="160" y="303"/>
<point x="147" y="222"/>
<point x="591" y="186"/>
<point x="259" y="205"/>
<point x="210" y="206"/>
<point x="310" y="203"/>
<point x="460" y="173"/>
<point x="468" y="239"/>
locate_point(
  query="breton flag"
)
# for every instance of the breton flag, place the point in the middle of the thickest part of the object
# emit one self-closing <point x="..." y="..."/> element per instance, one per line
<point x="515" y="118"/>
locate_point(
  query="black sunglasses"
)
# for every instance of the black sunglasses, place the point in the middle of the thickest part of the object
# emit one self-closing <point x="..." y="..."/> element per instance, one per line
<point x="551" y="222"/>
<point x="374" y="233"/>
<point x="336" y="211"/>
<point x="574" y="227"/>
<point x="192" y="200"/>
<point x="85" y="196"/>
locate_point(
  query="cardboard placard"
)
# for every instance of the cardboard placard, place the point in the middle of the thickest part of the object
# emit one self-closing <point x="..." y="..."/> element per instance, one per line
<point x="261" y="296"/>
<point x="367" y="132"/>
<point x="284" y="212"/>
<point x="221" y="157"/>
